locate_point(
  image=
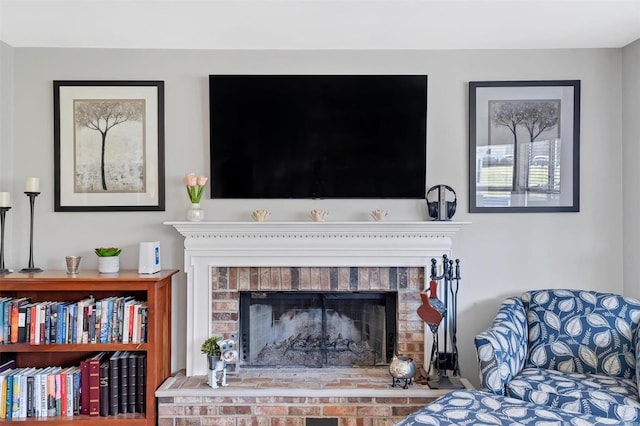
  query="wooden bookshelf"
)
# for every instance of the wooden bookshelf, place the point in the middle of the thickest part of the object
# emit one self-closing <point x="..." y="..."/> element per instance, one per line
<point x="155" y="289"/>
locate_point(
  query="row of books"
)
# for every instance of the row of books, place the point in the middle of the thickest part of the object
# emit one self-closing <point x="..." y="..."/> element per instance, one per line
<point x="105" y="384"/>
<point x="108" y="320"/>
<point x="122" y="383"/>
<point x="39" y="392"/>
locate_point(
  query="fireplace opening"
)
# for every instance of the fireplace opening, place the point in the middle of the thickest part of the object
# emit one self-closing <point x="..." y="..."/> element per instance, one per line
<point x="317" y="329"/>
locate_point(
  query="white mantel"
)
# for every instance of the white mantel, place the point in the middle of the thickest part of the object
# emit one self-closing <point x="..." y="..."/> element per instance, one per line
<point x="354" y="244"/>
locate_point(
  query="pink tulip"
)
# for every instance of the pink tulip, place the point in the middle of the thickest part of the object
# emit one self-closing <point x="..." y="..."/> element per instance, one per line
<point x="191" y="179"/>
<point x="202" y="180"/>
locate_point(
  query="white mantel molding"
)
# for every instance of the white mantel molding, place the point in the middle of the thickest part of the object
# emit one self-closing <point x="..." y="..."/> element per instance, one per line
<point x="317" y="243"/>
<point x="290" y="244"/>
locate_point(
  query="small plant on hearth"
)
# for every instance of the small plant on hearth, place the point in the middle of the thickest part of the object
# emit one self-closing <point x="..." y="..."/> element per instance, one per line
<point x="108" y="251"/>
<point x="210" y="346"/>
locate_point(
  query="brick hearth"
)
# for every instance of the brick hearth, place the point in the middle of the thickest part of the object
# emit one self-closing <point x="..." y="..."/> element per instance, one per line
<point x="290" y="396"/>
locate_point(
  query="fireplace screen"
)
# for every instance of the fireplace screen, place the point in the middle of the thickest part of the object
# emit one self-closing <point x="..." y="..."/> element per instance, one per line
<point x="317" y="329"/>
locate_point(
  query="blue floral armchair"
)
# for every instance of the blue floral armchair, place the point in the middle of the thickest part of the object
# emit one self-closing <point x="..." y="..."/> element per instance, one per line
<point x="570" y="349"/>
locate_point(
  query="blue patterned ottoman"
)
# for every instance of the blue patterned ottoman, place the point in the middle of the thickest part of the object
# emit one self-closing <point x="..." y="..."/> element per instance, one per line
<point x="473" y="407"/>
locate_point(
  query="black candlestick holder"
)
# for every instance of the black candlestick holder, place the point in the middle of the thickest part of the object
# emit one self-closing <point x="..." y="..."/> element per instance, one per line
<point x="3" y="213"/>
<point x="32" y="201"/>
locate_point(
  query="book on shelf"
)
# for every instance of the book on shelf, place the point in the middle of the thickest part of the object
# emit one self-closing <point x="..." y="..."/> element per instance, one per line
<point x="51" y="393"/>
<point x="88" y="328"/>
<point x="80" y="321"/>
<point x="8" y="365"/>
<point x="45" y="331"/>
<point x="60" y="322"/>
<point x="104" y="387"/>
<point x="71" y="323"/>
<point x="124" y="383"/>
<point x="23" y="393"/>
<point x="76" y="391"/>
<point x="66" y="391"/>
<point x="6" y="314"/>
<point x="114" y="383"/>
<point x="53" y="322"/>
<point x="30" y="408"/>
<point x="22" y="322"/>
<point x="94" y="384"/>
<point x="71" y="371"/>
<point x="90" y="385"/>
<point x="127" y="326"/>
<point x="14" y="325"/>
<point x="7" y="401"/>
<point x="104" y="319"/>
<point x="3" y="300"/>
<point x="84" y="388"/>
<point x="15" y="394"/>
<point x="40" y="391"/>
<point x="37" y="392"/>
<point x="3" y="393"/>
<point x="133" y="381"/>
<point x="33" y="324"/>
<point x="142" y="379"/>
<point x="30" y="324"/>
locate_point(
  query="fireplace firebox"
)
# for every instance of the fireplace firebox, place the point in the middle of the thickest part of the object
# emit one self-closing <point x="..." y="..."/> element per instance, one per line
<point x="317" y="329"/>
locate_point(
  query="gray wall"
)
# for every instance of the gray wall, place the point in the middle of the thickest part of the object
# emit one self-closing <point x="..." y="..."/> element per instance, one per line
<point x="6" y="136"/>
<point x="631" y="158"/>
<point x="502" y="254"/>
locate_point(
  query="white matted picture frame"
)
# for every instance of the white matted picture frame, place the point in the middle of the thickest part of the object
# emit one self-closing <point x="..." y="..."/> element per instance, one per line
<point x="524" y="146"/>
<point x="109" y="145"/>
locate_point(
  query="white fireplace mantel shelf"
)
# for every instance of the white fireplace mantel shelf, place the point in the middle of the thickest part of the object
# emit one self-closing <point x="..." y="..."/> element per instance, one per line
<point x="382" y="243"/>
<point x="296" y="244"/>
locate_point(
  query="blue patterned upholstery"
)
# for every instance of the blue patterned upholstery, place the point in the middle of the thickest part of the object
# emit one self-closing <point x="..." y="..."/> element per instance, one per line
<point x="595" y="394"/>
<point x="582" y="331"/>
<point x="503" y="347"/>
<point x="579" y="354"/>
<point x="466" y="407"/>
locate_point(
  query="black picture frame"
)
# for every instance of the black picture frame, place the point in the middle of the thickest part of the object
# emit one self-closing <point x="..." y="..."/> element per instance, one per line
<point x="109" y="146"/>
<point x="524" y="146"/>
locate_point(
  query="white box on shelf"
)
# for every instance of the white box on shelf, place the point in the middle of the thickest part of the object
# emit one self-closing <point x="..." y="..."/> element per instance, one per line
<point x="149" y="259"/>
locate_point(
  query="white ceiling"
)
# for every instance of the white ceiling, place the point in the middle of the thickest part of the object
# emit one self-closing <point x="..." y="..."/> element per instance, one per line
<point x="320" y="24"/>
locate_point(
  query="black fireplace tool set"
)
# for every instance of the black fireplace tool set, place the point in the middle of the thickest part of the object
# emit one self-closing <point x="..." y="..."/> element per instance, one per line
<point x="441" y="315"/>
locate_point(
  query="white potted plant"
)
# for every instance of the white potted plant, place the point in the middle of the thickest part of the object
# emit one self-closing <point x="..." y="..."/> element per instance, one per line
<point x="108" y="259"/>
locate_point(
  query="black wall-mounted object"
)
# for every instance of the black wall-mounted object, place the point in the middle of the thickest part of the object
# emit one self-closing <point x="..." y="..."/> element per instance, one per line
<point x="318" y="136"/>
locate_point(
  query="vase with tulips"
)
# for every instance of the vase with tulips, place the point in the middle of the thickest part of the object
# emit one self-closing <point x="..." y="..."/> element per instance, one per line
<point x="195" y="188"/>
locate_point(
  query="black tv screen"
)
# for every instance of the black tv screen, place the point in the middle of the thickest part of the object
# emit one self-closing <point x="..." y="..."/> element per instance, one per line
<point x="318" y="136"/>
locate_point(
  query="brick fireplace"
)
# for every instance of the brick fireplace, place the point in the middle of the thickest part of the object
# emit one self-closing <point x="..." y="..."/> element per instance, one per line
<point x="223" y="258"/>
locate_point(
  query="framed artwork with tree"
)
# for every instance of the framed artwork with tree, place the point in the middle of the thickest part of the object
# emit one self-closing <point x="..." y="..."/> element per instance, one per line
<point x="109" y="145"/>
<point x="524" y="146"/>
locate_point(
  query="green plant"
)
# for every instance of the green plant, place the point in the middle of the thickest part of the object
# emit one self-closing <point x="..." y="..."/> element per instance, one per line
<point x="108" y="251"/>
<point x="210" y="346"/>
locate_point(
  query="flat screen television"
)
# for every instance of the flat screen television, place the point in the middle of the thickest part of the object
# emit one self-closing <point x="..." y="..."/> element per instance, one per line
<point x="318" y="136"/>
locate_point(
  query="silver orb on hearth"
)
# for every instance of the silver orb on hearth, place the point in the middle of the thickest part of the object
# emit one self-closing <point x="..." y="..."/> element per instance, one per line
<point x="402" y="368"/>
